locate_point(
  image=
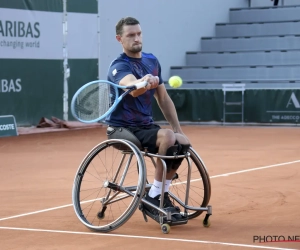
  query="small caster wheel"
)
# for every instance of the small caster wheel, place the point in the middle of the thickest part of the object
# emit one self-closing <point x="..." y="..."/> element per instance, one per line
<point x="206" y="223"/>
<point x="165" y="228"/>
<point x="101" y="215"/>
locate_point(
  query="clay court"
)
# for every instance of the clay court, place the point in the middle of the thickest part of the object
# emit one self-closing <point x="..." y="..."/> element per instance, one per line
<point x="254" y="175"/>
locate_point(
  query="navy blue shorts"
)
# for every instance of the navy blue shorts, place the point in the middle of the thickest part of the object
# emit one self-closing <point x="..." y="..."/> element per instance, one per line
<point x="147" y="135"/>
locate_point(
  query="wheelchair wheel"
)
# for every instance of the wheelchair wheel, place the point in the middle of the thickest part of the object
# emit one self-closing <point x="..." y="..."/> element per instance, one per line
<point x="107" y="187"/>
<point x="200" y="187"/>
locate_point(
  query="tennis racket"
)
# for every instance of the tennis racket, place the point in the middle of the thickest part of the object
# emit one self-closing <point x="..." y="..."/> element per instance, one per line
<point x="95" y="100"/>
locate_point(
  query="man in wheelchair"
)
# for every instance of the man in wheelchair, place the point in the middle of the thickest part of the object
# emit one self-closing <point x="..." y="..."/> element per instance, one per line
<point x="132" y="119"/>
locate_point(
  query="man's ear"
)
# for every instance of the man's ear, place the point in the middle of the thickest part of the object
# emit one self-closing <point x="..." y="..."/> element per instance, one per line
<point x="118" y="37"/>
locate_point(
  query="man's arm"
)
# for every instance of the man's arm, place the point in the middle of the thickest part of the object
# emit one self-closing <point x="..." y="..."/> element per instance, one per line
<point x="167" y="107"/>
<point x="131" y="79"/>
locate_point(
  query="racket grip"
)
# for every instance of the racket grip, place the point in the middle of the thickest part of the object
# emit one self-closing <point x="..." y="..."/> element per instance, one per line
<point x="141" y="85"/>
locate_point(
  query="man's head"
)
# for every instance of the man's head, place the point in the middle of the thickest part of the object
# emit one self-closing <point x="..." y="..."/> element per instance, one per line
<point x="129" y="34"/>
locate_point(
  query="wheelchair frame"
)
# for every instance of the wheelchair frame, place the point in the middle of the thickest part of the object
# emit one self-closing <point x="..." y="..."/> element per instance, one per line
<point x="114" y="187"/>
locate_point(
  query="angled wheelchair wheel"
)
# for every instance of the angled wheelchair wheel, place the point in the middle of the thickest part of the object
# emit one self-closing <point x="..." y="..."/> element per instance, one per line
<point x="200" y="187"/>
<point x="109" y="185"/>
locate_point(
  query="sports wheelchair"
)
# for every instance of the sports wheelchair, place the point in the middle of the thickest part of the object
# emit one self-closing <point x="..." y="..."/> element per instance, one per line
<point x="111" y="182"/>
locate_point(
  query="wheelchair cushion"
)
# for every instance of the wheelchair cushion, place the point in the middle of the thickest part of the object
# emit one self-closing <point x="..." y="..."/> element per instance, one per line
<point x="123" y="134"/>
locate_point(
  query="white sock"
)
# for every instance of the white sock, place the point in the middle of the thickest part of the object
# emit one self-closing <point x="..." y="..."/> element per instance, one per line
<point x="155" y="189"/>
<point x="167" y="185"/>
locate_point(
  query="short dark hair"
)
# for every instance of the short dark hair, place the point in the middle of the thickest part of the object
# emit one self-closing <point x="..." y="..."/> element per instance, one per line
<point x="125" y="21"/>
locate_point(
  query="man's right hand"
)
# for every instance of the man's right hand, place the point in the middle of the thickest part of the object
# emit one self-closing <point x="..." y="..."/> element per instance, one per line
<point x="153" y="81"/>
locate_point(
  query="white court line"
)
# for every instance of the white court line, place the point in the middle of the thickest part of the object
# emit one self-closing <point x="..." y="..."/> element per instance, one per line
<point x="215" y="176"/>
<point x="146" y="237"/>
<point x="253" y="169"/>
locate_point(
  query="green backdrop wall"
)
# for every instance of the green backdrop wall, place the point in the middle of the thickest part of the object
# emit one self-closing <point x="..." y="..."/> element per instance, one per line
<point x="260" y="105"/>
<point x="31" y="56"/>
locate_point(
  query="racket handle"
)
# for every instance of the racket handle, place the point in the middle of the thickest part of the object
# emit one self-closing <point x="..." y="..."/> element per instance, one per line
<point x="141" y="85"/>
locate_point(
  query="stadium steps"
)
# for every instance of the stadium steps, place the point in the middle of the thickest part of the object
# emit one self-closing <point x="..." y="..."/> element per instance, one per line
<point x="264" y="14"/>
<point x="258" y="28"/>
<point x="281" y="42"/>
<point x="246" y="58"/>
<point x="259" y="45"/>
<point x="267" y="72"/>
<point x="251" y="84"/>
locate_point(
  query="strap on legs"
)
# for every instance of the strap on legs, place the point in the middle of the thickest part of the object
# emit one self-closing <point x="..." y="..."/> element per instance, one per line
<point x="171" y="151"/>
<point x="183" y="150"/>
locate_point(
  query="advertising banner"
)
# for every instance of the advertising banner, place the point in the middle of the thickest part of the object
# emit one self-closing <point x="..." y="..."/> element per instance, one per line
<point x="272" y="106"/>
<point x="260" y="106"/>
<point x="30" y="34"/>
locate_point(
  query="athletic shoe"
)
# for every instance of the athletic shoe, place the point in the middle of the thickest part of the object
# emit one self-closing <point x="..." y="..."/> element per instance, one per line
<point x="167" y="206"/>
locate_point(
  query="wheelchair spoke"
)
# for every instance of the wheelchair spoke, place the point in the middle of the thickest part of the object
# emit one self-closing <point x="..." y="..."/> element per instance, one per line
<point x="107" y="188"/>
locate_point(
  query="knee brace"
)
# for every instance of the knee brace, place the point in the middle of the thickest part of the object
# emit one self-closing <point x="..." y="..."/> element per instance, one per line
<point x="177" y="149"/>
<point x="171" y="151"/>
<point x="183" y="150"/>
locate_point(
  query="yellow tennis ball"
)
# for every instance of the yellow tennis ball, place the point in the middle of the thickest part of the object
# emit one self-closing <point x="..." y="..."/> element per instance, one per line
<point x="175" y="81"/>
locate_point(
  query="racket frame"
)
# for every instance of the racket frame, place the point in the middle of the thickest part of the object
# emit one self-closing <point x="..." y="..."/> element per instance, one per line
<point x="116" y="102"/>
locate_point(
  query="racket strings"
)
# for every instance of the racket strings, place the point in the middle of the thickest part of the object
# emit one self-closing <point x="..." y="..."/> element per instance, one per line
<point x="94" y="101"/>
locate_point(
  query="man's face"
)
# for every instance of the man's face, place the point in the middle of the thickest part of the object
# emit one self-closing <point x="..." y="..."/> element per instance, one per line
<point x="131" y="39"/>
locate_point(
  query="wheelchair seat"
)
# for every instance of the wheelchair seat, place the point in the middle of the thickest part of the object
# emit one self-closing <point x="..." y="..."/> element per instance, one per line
<point x="123" y="134"/>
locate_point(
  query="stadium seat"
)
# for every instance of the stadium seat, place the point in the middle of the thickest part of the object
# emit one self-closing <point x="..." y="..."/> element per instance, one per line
<point x="259" y="45"/>
<point x="247" y="58"/>
<point x="283" y="42"/>
<point x="264" y="14"/>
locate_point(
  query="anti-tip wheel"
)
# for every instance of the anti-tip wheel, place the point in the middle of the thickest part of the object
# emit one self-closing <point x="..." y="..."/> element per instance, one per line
<point x="165" y="228"/>
<point x="101" y="215"/>
<point x="206" y="223"/>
